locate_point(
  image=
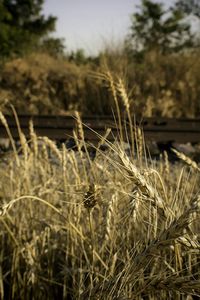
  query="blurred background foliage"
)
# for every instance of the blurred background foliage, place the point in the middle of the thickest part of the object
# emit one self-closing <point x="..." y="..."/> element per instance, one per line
<point x="159" y="62"/>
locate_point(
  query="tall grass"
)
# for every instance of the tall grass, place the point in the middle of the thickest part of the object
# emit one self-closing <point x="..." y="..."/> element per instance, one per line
<point x="115" y="227"/>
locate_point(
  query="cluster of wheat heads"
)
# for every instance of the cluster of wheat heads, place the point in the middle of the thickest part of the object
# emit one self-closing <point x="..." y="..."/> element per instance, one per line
<point x="115" y="227"/>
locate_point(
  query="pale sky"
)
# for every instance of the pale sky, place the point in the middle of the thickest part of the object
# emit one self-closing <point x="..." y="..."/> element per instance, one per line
<point x="92" y="24"/>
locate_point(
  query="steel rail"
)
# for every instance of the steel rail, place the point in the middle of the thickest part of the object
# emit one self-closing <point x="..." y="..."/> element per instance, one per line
<point x="61" y="128"/>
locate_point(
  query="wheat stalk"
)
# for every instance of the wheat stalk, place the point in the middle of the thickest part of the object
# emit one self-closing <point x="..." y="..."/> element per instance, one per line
<point x="125" y="99"/>
<point x="113" y="89"/>
<point x="104" y="138"/>
<point x="109" y="217"/>
<point x="4" y="122"/>
<point x="33" y="138"/>
<point x="22" y="137"/>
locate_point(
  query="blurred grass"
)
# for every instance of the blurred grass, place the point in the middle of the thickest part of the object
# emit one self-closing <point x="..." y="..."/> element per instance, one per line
<point x="160" y="85"/>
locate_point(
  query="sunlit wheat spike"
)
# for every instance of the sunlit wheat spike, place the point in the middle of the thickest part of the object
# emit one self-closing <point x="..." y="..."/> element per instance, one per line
<point x="112" y="85"/>
<point x="123" y="94"/>
<point x="109" y="217"/>
<point x="79" y="126"/>
<point x="53" y="147"/>
<point x="189" y="242"/>
<point x="33" y="138"/>
<point x="64" y="159"/>
<point x="143" y="185"/>
<point x="166" y="163"/>
<point x="186" y="159"/>
<point x="175" y="230"/>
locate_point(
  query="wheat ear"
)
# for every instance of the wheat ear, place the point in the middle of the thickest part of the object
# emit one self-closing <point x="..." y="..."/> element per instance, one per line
<point x="53" y="147"/>
<point x="187" y="160"/>
<point x="143" y="185"/>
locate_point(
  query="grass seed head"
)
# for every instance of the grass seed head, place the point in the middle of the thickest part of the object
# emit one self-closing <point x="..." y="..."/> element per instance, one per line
<point x="90" y="197"/>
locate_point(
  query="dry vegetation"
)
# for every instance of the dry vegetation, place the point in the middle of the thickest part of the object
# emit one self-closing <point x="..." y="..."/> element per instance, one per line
<point x="115" y="227"/>
<point x="160" y="85"/>
<point x="40" y="83"/>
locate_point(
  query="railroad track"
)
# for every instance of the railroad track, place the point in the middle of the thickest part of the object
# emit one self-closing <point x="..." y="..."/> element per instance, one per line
<point x="61" y="128"/>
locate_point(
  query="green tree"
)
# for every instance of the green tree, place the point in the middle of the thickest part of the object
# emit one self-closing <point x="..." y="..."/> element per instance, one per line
<point x="189" y="7"/>
<point x="22" y="26"/>
<point x="156" y="28"/>
<point x="78" y="56"/>
<point x="54" y="46"/>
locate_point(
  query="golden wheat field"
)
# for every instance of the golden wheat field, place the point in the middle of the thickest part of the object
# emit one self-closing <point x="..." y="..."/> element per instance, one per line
<point x="117" y="226"/>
